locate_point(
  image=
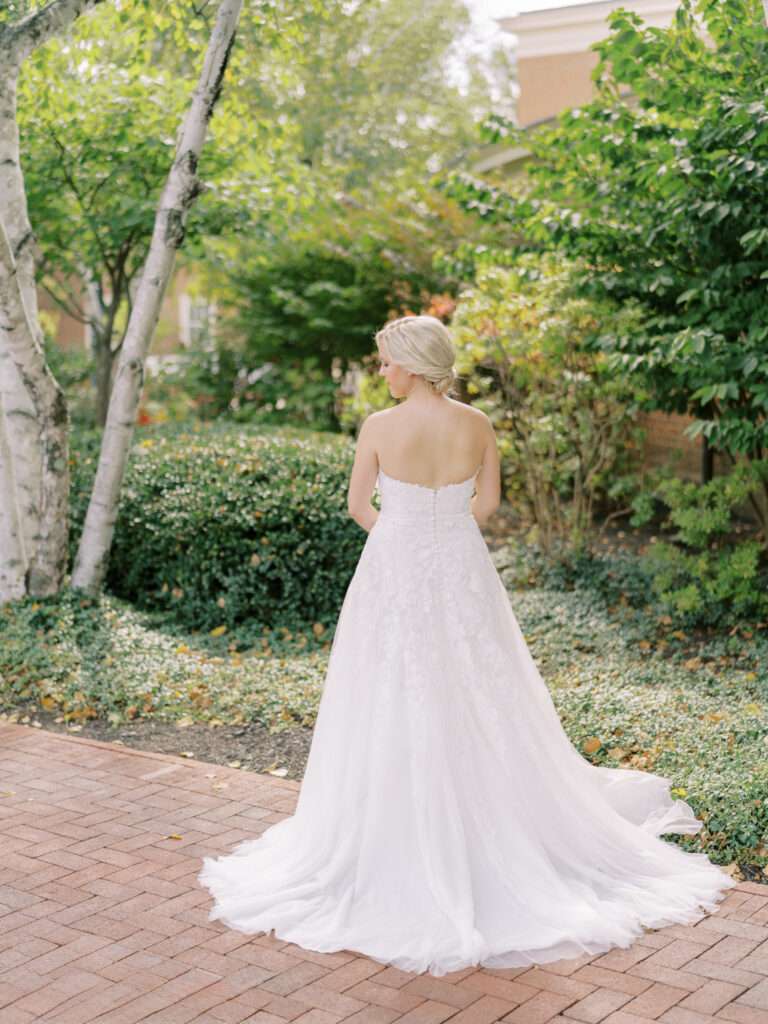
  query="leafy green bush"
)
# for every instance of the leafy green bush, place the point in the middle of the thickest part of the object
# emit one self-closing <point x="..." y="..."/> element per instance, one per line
<point x="370" y="395"/>
<point x="709" y="588"/>
<point x="224" y="524"/>
<point x="564" y="422"/>
<point x="324" y="283"/>
<point x="298" y="392"/>
<point x="706" y="569"/>
<point x="192" y="384"/>
<point x="658" y="184"/>
<point x="706" y="574"/>
<point x="620" y="578"/>
<point x="207" y="383"/>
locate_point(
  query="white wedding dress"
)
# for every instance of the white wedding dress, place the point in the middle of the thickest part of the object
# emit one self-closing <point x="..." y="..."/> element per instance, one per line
<point x="445" y="819"/>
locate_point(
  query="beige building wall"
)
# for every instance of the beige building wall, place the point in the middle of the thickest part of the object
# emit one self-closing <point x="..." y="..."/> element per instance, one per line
<point x="554" y="51"/>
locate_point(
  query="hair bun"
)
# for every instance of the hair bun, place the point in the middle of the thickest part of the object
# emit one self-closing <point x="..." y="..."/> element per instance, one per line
<point x="422" y="345"/>
<point x="444" y="383"/>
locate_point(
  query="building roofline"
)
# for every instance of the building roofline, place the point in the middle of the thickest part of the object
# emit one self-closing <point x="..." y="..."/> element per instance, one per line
<point x="560" y="30"/>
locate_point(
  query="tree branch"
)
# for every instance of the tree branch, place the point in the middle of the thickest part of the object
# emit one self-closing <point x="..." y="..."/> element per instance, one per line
<point x="72" y="309"/>
<point x="71" y="181"/>
<point x="24" y="36"/>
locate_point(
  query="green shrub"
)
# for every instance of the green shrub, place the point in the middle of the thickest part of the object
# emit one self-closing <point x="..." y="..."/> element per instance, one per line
<point x="619" y="577"/>
<point x="206" y="383"/>
<point x="371" y="395"/>
<point x="296" y="392"/>
<point x="224" y="524"/>
<point x="706" y="587"/>
<point x="564" y="423"/>
<point x="706" y="574"/>
<point x="193" y="384"/>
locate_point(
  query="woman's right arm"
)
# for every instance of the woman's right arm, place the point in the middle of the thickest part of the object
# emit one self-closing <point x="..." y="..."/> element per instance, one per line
<point x="363" y="477"/>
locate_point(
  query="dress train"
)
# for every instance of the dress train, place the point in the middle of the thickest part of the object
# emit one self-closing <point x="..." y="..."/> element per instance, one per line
<point x="444" y="818"/>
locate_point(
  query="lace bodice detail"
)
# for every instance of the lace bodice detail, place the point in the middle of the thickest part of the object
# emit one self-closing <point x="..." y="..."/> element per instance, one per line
<point x="402" y="499"/>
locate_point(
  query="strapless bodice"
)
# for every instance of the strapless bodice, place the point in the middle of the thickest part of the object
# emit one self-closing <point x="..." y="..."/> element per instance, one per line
<point x="404" y="500"/>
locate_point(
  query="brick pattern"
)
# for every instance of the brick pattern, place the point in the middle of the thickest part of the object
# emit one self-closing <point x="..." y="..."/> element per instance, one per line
<point x="666" y="442"/>
<point x="102" y="919"/>
<point x="667" y="445"/>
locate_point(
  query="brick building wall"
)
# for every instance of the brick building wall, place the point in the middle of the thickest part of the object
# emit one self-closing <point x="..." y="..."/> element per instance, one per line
<point x="551" y="82"/>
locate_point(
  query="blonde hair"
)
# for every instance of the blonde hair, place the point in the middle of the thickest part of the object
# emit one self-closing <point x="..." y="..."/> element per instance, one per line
<point x="421" y="345"/>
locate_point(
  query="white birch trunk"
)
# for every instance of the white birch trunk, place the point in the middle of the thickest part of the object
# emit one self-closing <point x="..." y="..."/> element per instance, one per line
<point x="34" y="470"/>
<point x="181" y="189"/>
<point x="13" y="546"/>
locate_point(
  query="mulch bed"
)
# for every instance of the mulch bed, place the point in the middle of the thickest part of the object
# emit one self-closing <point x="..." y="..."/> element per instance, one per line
<point x="251" y="744"/>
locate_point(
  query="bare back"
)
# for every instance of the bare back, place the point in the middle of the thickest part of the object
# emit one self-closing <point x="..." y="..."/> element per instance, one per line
<point x="428" y="443"/>
<point x="432" y="445"/>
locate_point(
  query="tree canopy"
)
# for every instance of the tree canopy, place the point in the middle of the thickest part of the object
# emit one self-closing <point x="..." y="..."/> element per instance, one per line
<point x="659" y="185"/>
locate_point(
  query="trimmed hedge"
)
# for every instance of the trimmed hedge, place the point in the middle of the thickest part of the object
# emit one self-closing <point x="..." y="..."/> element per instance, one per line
<point x="223" y="524"/>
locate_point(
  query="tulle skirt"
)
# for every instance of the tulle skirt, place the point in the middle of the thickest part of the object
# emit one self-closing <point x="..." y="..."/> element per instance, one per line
<point x="445" y="819"/>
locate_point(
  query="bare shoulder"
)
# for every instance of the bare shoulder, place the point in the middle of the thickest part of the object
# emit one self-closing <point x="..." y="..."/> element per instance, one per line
<point x="463" y="408"/>
<point x="480" y="420"/>
<point x="374" y="421"/>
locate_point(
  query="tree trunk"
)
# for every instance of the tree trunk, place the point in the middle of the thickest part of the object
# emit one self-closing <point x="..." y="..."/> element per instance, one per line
<point x="181" y="189"/>
<point x="34" y="465"/>
<point x="35" y="468"/>
<point x="104" y="361"/>
<point x="103" y="380"/>
<point x="13" y="542"/>
<point x="707" y="461"/>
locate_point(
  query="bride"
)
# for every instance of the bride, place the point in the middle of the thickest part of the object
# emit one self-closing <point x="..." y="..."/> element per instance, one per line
<point x="445" y="819"/>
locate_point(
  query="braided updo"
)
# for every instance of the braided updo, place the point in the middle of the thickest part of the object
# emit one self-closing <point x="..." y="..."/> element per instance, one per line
<point x="421" y="345"/>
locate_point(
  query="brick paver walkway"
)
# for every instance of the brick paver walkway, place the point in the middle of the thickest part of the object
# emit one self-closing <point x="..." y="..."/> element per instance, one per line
<point x="102" y="918"/>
